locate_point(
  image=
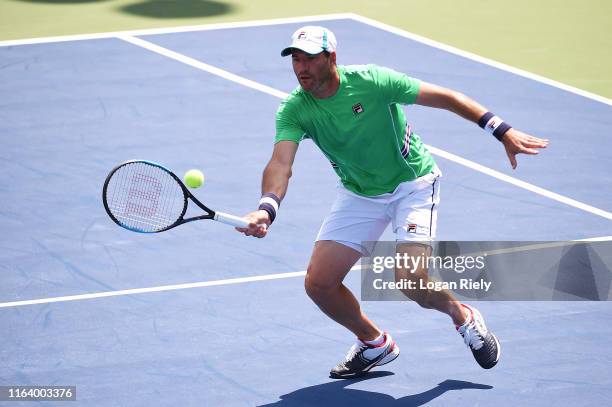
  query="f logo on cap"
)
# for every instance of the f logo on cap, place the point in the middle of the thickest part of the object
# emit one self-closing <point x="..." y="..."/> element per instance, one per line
<point x="312" y="40"/>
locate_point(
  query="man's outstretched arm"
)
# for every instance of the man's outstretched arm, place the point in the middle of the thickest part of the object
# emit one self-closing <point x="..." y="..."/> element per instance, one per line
<point x="275" y="180"/>
<point x="514" y="141"/>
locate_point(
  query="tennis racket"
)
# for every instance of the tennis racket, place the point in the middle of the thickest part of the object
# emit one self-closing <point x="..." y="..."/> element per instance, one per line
<point x="145" y="197"/>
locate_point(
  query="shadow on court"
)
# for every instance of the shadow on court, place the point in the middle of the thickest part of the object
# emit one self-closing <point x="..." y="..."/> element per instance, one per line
<point x="336" y="394"/>
<point x="160" y="8"/>
<point x="178" y="8"/>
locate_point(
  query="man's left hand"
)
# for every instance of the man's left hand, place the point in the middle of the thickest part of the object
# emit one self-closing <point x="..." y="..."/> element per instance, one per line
<point x="516" y="142"/>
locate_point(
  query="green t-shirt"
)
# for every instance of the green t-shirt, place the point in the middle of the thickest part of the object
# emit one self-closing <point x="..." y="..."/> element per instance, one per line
<point x="361" y="129"/>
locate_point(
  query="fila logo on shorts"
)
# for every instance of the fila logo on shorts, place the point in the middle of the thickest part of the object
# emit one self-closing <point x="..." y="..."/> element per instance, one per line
<point x="411" y="227"/>
<point x="358" y="108"/>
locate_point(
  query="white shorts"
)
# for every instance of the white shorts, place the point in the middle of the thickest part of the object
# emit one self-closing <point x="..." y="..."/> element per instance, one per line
<point x="412" y="210"/>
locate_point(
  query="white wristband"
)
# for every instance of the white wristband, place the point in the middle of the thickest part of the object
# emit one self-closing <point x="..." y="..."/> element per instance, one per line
<point x="268" y="200"/>
<point x="493" y="123"/>
<point x="269" y="203"/>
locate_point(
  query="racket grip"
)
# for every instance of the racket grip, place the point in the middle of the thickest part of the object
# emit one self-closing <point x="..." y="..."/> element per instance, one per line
<point x="230" y="220"/>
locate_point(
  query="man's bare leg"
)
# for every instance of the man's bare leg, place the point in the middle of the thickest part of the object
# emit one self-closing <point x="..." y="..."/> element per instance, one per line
<point x="441" y="300"/>
<point x="329" y="264"/>
<point x="483" y="344"/>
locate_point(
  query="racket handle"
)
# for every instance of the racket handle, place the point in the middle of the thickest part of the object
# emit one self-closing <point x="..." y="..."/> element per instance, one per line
<point x="231" y="220"/>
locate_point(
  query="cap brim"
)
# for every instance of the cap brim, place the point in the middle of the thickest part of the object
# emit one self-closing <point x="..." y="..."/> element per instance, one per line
<point x="307" y="47"/>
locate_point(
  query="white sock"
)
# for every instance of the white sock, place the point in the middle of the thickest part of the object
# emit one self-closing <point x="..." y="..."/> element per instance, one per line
<point x="376" y="341"/>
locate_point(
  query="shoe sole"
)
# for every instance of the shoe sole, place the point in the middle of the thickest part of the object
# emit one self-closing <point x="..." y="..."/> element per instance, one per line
<point x="390" y="357"/>
<point x="498" y="352"/>
<point x="475" y="311"/>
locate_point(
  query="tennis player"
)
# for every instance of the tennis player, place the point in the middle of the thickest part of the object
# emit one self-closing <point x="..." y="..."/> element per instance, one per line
<point x="353" y="114"/>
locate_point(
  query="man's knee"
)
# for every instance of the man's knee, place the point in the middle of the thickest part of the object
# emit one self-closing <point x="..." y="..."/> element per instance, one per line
<point x="329" y="264"/>
<point x="317" y="286"/>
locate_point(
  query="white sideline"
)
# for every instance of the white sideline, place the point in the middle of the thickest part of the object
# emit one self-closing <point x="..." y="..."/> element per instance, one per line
<point x="180" y="29"/>
<point x="521" y="184"/>
<point x="480" y="59"/>
<point x="202" y="66"/>
<point x="162" y="288"/>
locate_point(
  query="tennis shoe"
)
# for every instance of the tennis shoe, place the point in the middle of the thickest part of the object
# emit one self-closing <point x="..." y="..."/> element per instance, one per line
<point x="363" y="357"/>
<point x="483" y="344"/>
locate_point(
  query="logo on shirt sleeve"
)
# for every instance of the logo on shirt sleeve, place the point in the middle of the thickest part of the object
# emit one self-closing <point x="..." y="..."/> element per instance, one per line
<point x="357" y="109"/>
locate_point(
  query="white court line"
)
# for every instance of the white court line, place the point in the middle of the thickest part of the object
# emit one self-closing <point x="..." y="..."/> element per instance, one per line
<point x="441" y="153"/>
<point x="202" y="66"/>
<point x="173" y="287"/>
<point x="201" y="284"/>
<point x="521" y="184"/>
<point x="305" y="19"/>
<point x="180" y="29"/>
<point x="480" y="59"/>
<point x="596" y="239"/>
<point x="536" y="246"/>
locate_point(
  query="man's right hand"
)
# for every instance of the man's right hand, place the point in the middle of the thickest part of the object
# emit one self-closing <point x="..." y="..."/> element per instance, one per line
<point x="259" y="221"/>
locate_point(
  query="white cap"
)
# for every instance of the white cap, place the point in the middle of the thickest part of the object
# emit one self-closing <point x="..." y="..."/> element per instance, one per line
<point x="312" y="40"/>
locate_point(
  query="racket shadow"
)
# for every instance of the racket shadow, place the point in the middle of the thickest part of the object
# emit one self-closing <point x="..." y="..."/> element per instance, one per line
<point x="336" y="394"/>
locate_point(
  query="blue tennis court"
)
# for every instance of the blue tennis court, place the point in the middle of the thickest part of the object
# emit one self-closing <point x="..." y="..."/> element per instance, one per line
<point x="203" y="316"/>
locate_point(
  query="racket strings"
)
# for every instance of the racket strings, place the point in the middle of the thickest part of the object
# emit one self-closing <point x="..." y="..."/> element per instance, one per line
<point x="144" y="197"/>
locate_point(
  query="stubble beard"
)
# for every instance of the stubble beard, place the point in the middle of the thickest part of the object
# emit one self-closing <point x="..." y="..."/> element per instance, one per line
<point x="316" y="84"/>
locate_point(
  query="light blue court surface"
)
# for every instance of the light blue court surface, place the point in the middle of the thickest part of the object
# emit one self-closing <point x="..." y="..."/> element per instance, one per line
<point x="70" y="111"/>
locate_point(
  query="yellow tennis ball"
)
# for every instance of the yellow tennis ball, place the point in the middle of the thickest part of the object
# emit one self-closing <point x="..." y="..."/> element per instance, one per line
<point x="194" y="178"/>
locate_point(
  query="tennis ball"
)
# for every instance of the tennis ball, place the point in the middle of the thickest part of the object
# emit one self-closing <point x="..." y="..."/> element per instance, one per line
<point x="194" y="178"/>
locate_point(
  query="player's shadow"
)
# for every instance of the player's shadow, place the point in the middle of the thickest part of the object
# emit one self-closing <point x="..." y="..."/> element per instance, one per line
<point x="178" y="8"/>
<point x="161" y="8"/>
<point x="336" y="394"/>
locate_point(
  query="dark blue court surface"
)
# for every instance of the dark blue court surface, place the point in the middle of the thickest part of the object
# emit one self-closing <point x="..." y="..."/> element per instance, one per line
<point x="70" y="111"/>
